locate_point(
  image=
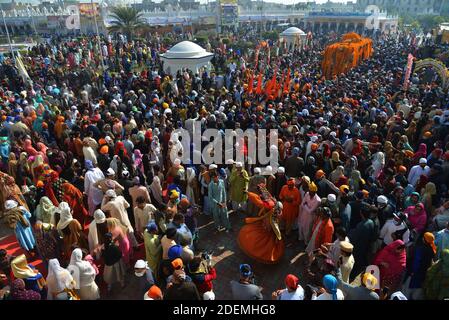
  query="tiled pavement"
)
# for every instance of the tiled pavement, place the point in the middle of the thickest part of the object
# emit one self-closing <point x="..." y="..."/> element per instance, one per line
<point x="228" y="257"/>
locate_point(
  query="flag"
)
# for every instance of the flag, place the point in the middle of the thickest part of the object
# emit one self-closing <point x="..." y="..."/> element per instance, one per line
<point x="280" y="85"/>
<point x="287" y="82"/>
<point x="251" y="83"/>
<point x="21" y="68"/>
<point x="269" y="54"/>
<point x="268" y="87"/>
<point x="259" y="84"/>
<point x="256" y="58"/>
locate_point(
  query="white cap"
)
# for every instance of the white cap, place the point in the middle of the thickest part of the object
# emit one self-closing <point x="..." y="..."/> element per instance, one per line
<point x="281" y="170"/>
<point x="347" y="131"/>
<point x="423" y="161"/>
<point x="10" y="204"/>
<point x="110" y="172"/>
<point x="115" y="102"/>
<point x="229" y="161"/>
<point x="111" y="193"/>
<point x="125" y="173"/>
<point x="313" y="138"/>
<point x="99" y="216"/>
<point x="239" y="165"/>
<point x="382" y="199"/>
<point x="333" y="134"/>
<point x="108" y="139"/>
<point x="331" y="197"/>
<point x="269" y="170"/>
<point x="140" y="264"/>
<point x="209" y="295"/>
<point x="398" y="295"/>
<point x="213" y="166"/>
<point x="257" y="171"/>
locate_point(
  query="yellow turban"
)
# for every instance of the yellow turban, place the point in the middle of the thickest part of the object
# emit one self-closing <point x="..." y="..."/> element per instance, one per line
<point x="369" y="281"/>
<point x="313" y="187"/>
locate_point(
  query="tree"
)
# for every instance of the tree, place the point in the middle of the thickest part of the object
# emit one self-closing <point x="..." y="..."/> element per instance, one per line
<point x="126" y="20"/>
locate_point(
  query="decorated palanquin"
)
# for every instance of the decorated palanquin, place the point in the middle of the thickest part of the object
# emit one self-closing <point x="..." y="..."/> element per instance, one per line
<point x="342" y="56"/>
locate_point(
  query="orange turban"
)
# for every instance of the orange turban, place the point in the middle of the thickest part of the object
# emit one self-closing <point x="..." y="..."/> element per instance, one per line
<point x="319" y="174"/>
<point x="314" y="146"/>
<point x="429" y="238"/>
<point x="402" y="169"/>
<point x="104" y="150"/>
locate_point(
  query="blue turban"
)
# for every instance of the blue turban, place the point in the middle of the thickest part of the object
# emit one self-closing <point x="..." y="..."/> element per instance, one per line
<point x="89" y="165"/>
<point x="174" y="252"/>
<point x="330" y="283"/>
<point x="151" y="227"/>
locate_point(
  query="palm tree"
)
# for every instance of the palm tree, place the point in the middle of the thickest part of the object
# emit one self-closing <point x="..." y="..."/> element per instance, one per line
<point x="126" y="20"/>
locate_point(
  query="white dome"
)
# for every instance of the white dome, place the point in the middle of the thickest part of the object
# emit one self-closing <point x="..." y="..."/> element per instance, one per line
<point x="185" y="49"/>
<point x="292" y="31"/>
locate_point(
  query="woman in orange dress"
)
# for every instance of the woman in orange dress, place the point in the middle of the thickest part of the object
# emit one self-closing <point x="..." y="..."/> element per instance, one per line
<point x="261" y="238"/>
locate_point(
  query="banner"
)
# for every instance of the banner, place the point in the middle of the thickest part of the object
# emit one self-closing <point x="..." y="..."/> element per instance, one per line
<point x="408" y="71"/>
<point x="86" y="9"/>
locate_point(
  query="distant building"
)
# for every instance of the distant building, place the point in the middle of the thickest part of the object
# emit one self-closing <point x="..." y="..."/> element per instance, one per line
<point x="411" y="7"/>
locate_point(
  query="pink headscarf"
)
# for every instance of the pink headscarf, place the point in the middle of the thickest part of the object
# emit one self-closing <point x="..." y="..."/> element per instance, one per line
<point x="396" y="261"/>
<point x="417" y="220"/>
<point x="28" y="147"/>
<point x="421" y="153"/>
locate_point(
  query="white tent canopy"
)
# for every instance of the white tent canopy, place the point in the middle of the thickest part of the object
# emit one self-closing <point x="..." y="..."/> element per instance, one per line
<point x="293" y="31"/>
<point x="185" y="54"/>
<point x="294" y="36"/>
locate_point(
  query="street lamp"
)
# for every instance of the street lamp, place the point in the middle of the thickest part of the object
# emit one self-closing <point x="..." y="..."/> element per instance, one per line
<point x="98" y="35"/>
<point x="9" y="39"/>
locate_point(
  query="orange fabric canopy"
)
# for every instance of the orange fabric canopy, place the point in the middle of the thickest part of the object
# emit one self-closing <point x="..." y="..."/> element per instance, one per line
<point x="342" y="56"/>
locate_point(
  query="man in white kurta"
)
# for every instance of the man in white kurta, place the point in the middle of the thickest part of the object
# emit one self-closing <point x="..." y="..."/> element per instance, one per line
<point x="94" y="195"/>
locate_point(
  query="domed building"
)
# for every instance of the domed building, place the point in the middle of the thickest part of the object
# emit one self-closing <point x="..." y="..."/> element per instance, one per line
<point x="188" y="55"/>
<point x="294" y="37"/>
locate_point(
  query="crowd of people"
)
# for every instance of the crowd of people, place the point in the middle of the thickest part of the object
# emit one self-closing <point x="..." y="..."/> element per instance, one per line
<point x="86" y="174"/>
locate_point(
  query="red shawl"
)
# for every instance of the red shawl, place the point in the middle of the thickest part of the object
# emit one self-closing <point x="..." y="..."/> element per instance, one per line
<point x="396" y="261"/>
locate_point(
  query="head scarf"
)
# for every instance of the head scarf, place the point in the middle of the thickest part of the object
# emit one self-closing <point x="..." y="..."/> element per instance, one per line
<point x="18" y="291"/>
<point x="20" y="268"/>
<point x="421" y="153"/>
<point x="330" y="283"/>
<point x="335" y="156"/>
<point x="45" y="209"/>
<point x="396" y="261"/>
<point x="86" y="271"/>
<point x="429" y="238"/>
<point x="65" y="215"/>
<point x="430" y="189"/>
<point x="58" y="278"/>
